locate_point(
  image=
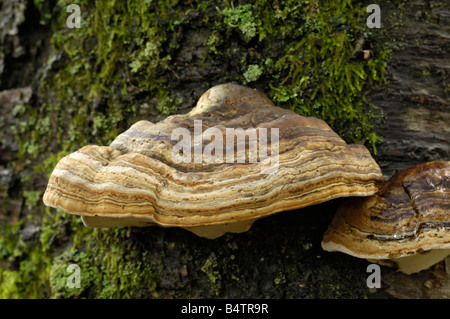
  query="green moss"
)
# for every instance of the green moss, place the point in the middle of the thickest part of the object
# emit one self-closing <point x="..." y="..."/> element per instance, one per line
<point x="210" y="269"/>
<point x="242" y="17"/>
<point x="23" y="267"/>
<point x="253" y="73"/>
<point x="115" y="271"/>
<point x="59" y="274"/>
<point x="32" y="197"/>
<point x="280" y="280"/>
<point x="306" y="47"/>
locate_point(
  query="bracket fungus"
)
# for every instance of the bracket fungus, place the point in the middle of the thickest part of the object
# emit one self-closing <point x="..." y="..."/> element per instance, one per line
<point x="405" y="225"/>
<point x="223" y="174"/>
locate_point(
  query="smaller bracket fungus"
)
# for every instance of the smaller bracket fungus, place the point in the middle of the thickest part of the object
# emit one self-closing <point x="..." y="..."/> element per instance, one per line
<point x="223" y="174"/>
<point x="405" y="225"/>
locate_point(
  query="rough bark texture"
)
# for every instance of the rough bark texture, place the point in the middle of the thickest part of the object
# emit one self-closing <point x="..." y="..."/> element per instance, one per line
<point x="416" y="101"/>
<point x="280" y="256"/>
<point x="417" y="126"/>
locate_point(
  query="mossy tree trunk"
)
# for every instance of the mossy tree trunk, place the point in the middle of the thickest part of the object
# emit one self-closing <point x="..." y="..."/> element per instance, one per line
<point x="62" y="88"/>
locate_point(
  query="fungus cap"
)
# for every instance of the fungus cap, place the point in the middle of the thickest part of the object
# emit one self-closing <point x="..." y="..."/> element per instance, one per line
<point x="405" y="225"/>
<point x="139" y="180"/>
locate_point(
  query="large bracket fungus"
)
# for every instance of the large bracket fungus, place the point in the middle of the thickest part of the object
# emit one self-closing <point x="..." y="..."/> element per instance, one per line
<point x="405" y="225"/>
<point x="241" y="158"/>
